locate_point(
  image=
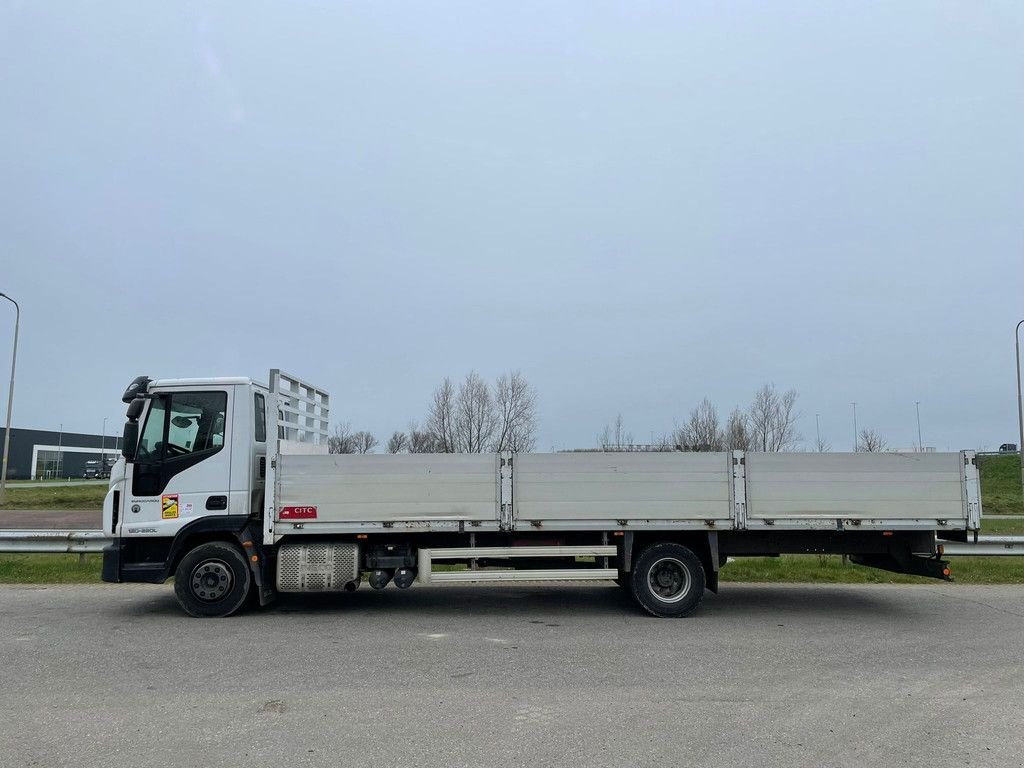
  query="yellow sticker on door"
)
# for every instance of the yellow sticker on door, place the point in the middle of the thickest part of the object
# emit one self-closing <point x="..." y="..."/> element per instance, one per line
<point x="169" y="506"/>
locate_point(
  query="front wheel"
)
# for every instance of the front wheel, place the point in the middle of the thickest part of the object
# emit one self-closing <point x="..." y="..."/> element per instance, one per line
<point x="212" y="580"/>
<point x="668" y="580"/>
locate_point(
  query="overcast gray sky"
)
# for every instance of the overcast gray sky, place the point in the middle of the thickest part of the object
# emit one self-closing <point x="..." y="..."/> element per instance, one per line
<point x="636" y="204"/>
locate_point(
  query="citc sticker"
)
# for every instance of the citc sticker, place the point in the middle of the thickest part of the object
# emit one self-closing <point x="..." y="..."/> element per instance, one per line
<point x="169" y="506"/>
<point x="298" y="513"/>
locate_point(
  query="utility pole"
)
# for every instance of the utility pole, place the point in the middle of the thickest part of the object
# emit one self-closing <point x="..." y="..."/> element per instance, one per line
<point x="920" y="445"/>
<point x="817" y="429"/>
<point x="103" y="449"/>
<point x="855" y="441"/>
<point x="10" y="398"/>
<point x="1020" y="403"/>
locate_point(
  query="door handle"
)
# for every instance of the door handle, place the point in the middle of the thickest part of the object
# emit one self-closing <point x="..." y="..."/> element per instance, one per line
<point x="217" y="502"/>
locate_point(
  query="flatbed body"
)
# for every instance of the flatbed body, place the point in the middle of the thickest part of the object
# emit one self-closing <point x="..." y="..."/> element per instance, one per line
<point x="584" y="491"/>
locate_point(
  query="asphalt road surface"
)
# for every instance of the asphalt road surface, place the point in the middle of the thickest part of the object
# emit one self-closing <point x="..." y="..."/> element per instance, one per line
<point x="515" y="676"/>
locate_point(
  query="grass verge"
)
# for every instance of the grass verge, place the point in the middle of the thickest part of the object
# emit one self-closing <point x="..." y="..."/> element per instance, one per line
<point x="50" y="569"/>
<point x="993" y="526"/>
<point x="829" y="569"/>
<point x="56" y="497"/>
<point x="1000" y="485"/>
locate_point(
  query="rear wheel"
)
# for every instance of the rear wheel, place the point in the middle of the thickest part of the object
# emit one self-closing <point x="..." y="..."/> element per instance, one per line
<point x="212" y="580"/>
<point x="668" y="580"/>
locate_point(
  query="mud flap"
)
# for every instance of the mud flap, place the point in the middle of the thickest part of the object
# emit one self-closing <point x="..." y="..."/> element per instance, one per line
<point x="913" y="565"/>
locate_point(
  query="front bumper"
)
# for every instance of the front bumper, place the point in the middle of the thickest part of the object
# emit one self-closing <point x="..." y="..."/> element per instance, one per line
<point x="120" y="565"/>
<point x="112" y="563"/>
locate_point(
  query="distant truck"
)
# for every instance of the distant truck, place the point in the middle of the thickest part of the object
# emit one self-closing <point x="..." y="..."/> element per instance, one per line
<point x="94" y="470"/>
<point x="1008" y="448"/>
<point x="99" y="470"/>
<point x="226" y="486"/>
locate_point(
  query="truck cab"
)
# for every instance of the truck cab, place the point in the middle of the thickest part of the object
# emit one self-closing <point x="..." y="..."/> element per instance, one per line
<point x="194" y="462"/>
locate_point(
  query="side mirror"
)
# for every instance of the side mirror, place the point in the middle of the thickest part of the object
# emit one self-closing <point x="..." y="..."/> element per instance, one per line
<point x="130" y="436"/>
<point x="130" y="440"/>
<point x="135" y="408"/>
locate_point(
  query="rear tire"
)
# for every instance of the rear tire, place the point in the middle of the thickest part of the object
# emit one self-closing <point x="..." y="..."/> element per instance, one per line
<point x="668" y="580"/>
<point x="213" y="580"/>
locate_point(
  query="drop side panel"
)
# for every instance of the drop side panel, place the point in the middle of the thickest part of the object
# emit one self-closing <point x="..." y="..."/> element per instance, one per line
<point x="868" y="489"/>
<point x="613" y="490"/>
<point x="420" y="491"/>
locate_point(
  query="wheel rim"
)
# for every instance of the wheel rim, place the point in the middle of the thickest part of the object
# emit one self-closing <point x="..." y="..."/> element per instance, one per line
<point x="669" y="579"/>
<point x="211" y="580"/>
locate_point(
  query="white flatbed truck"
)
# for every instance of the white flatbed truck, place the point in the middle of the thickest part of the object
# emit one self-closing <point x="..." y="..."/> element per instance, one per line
<point x="226" y="486"/>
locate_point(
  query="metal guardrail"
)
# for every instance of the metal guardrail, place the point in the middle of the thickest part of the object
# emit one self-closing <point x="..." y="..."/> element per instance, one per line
<point x="53" y="540"/>
<point x="985" y="546"/>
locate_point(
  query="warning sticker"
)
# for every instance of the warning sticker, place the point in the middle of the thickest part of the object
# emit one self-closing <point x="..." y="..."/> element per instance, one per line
<point x="169" y="506"/>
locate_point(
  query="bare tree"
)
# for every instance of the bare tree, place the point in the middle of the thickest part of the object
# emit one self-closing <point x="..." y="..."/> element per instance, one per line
<point x="364" y="442"/>
<point x="515" y="401"/>
<point x="761" y="414"/>
<point x="702" y="432"/>
<point x="822" y="445"/>
<point x="475" y="418"/>
<point x="398" y="442"/>
<point x="773" y="420"/>
<point x="615" y="438"/>
<point x="441" y="418"/>
<point x="664" y="444"/>
<point x="871" y="442"/>
<point x="422" y="440"/>
<point x="342" y="441"/>
<point x="737" y="435"/>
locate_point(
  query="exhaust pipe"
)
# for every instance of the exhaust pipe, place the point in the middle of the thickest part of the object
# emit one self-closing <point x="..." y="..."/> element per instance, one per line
<point x="351" y="586"/>
<point x="404" y="577"/>
<point x="379" y="578"/>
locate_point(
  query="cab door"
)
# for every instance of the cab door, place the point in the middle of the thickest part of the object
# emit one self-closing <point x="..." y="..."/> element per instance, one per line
<point x="182" y="467"/>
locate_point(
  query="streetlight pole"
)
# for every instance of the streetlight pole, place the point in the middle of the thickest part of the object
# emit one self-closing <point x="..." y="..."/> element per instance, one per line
<point x="855" y="444"/>
<point x="10" y="397"/>
<point x="817" y="429"/>
<point x="1020" y="403"/>
<point x="103" y="449"/>
<point x="920" y="445"/>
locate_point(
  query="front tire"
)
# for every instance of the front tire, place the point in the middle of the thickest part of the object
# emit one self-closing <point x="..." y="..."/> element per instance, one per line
<point x="668" y="580"/>
<point x="213" y="580"/>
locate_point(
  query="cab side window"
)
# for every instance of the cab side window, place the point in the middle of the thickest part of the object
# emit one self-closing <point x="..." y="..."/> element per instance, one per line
<point x="182" y="429"/>
<point x="152" y="441"/>
<point x="196" y="422"/>
<point x="260" y="410"/>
